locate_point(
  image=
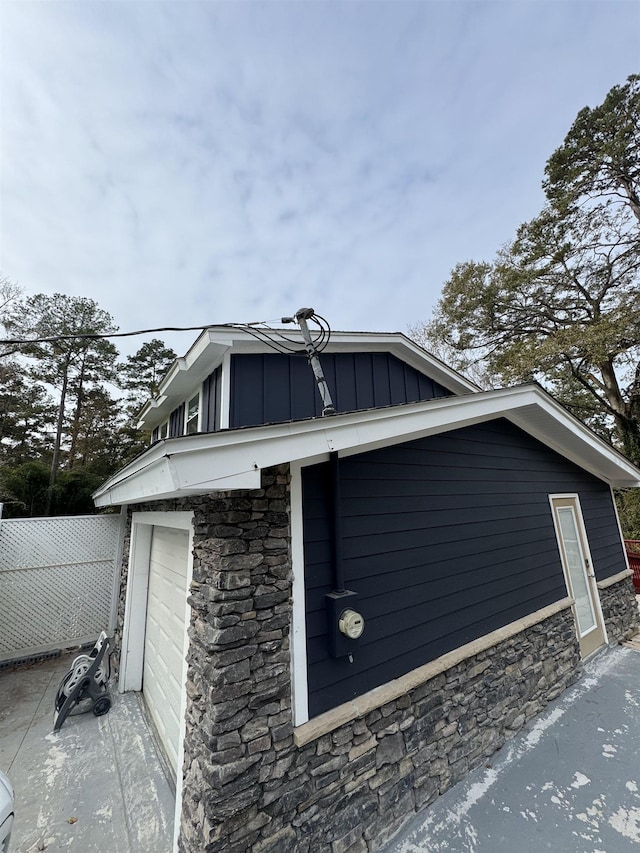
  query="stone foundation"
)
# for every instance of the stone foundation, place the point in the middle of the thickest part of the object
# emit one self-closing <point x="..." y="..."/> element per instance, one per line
<point x="247" y="785"/>
<point x="619" y="607"/>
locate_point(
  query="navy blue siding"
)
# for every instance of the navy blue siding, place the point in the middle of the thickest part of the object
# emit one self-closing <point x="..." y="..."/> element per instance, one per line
<point x="211" y="401"/>
<point x="176" y="422"/>
<point x="445" y="539"/>
<point x="273" y="388"/>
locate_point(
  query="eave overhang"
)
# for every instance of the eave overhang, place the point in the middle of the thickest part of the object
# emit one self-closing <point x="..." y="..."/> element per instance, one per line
<point x="228" y="460"/>
<point x="208" y="351"/>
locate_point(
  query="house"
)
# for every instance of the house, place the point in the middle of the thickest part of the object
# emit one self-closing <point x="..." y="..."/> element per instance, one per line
<point x="334" y="619"/>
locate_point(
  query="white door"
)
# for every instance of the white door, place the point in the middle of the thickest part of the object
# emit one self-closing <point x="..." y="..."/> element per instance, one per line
<point x="579" y="574"/>
<point x="163" y="672"/>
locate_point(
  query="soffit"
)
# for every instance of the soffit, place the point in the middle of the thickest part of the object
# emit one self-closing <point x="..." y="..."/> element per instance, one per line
<point x="233" y="459"/>
<point x="187" y="373"/>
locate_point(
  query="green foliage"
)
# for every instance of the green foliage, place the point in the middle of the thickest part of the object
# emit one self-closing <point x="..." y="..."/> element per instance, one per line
<point x="55" y="453"/>
<point x="140" y="374"/>
<point x="75" y="359"/>
<point x="24" y="490"/>
<point x="600" y="156"/>
<point x="71" y="363"/>
<point x="27" y="414"/>
<point x="628" y="503"/>
<point x="559" y="304"/>
<point x="73" y="490"/>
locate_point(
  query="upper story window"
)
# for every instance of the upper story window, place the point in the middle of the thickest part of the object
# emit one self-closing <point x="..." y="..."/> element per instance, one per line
<point x="164" y="429"/>
<point x="193" y="409"/>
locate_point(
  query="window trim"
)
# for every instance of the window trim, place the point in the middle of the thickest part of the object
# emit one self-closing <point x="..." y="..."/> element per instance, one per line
<point x="196" y="416"/>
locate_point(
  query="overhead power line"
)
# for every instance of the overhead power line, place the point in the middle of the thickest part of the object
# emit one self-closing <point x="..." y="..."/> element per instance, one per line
<point x="272" y="337"/>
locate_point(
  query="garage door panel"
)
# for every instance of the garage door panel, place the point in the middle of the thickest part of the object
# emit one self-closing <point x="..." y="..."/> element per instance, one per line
<point x="164" y="640"/>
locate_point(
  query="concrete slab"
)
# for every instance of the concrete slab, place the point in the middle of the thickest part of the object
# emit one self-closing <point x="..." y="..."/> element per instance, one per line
<point x="96" y="785"/>
<point x="569" y="782"/>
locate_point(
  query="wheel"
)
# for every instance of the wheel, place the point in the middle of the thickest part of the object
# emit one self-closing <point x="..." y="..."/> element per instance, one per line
<point x="101" y="705"/>
<point x="63" y="692"/>
<point x="78" y="669"/>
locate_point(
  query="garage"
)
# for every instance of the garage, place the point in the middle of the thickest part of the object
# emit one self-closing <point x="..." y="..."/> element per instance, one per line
<point x="164" y="655"/>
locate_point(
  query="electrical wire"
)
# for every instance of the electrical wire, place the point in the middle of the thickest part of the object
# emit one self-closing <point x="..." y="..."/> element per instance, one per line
<point x="259" y="329"/>
<point x="97" y="335"/>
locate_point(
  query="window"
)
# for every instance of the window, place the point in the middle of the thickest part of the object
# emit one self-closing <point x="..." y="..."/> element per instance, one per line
<point x="193" y="407"/>
<point x="164" y="429"/>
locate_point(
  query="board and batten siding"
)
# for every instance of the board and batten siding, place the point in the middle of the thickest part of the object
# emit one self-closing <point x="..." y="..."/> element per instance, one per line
<point x="176" y="421"/>
<point x="210" y="419"/>
<point x="273" y="388"/>
<point x="445" y="539"/>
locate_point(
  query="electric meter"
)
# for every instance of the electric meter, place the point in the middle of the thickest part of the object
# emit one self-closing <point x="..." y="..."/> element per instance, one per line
<point x="351" y="624"/>
<point x="345" y="624"/>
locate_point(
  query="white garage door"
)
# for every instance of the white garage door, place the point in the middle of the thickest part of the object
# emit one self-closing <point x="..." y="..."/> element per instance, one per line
<point x="164" y="639"/>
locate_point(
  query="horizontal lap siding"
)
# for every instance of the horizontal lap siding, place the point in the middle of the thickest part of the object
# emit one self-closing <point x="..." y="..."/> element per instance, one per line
<point x="445" y="539"/>
<point x="272" y="388"/>
<point x="604" y="536"/>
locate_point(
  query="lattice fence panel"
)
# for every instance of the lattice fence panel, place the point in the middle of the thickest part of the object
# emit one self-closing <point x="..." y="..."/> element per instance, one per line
<point x="57" y="581"/>
<point x="41" y="542"/>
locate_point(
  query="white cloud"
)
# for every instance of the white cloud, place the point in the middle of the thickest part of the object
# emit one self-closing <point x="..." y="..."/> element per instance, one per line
<point x="204" y="162"/>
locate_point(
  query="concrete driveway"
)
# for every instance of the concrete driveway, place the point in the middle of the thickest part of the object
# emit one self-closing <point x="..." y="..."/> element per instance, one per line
<point x="569" y="783"/>
<point x="96" y="785"/>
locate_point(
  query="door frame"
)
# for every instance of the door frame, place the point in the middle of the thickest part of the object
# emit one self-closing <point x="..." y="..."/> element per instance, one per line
<point x="135" y="619"/>
<point x="589" y="572"/>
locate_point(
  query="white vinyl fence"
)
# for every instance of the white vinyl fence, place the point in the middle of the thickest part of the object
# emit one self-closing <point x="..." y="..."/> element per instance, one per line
<point x="58" y="582"/>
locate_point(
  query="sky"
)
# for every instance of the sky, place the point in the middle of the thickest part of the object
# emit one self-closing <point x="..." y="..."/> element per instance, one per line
<point x="193" y="163"/>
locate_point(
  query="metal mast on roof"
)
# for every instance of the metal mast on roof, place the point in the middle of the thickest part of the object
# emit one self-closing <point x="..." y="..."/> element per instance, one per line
<point x="301" y="318"/>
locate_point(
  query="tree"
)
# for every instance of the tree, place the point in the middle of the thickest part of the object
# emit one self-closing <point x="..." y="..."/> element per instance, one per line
<point x="141" y="373"/>
<point x="68" y="362"/>
<point x="600" y="156"/>
<point x="26" y="416"/>
<point x="24" y="489"/>
<point x="86" y="433"/>
<point x="559" y="304"/>
<point x="10" y="296"/>
<point x="140" y="376"/>
<point x="100" y="447"/>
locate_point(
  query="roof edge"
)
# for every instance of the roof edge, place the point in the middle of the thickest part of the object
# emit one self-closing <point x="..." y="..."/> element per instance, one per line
<point x="226" y="460"/>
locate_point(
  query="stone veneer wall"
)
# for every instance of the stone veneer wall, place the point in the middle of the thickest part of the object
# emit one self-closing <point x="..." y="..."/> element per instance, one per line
<point x="247" y="785"/>
<point x="620" y="609"/>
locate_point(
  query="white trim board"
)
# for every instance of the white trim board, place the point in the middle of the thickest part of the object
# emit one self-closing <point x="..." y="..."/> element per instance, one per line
<point x="214" y="345"/>
<point x="132" y="656"/>
<point x="226" y="460"/>
<point x="593" y="587"/>
<point x="392" y="690"/>
<point x="299" y="683"/>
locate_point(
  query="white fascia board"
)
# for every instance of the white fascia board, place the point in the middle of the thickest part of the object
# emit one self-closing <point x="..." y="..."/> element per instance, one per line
<point x="561" y="432"/>
<point x="184" y="377"/>
<point x="406" y="350"/>
<point x="208" y="350"/>
<point x="233" y="460"/>
<point x="157" y="482"/>
<point x="153" y="411"/>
